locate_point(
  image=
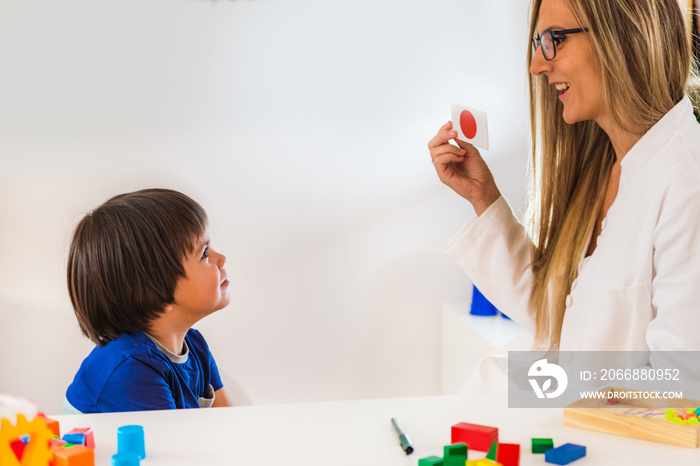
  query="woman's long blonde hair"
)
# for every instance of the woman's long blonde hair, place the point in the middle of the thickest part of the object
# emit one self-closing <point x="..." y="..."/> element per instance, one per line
<point x="644" y="54"/>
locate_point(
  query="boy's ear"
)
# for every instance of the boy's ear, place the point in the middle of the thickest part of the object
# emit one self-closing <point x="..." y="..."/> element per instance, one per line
<point x="168" y="307"/>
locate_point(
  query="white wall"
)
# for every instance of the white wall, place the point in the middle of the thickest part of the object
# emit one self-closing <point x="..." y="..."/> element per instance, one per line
<point x="301" y="126"/>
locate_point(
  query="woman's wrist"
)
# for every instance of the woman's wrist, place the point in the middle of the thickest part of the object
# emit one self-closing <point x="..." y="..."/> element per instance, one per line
<point x="485" y="202"/>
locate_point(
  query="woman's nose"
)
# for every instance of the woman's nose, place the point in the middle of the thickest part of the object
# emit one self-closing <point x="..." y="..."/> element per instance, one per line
<point x="539" y="65"/>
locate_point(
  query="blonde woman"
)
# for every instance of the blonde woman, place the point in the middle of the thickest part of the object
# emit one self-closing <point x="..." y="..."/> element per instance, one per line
<point x="611" y="258"/>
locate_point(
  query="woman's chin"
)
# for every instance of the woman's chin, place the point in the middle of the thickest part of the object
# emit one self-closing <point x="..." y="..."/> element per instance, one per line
<point x="569" y="117"/>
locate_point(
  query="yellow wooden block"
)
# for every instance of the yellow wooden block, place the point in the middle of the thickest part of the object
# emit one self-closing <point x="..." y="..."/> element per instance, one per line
<point x="482" y="462"/>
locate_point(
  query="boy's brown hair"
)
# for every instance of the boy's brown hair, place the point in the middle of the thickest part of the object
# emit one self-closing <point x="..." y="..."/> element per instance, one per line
<point x="126" y="257"/>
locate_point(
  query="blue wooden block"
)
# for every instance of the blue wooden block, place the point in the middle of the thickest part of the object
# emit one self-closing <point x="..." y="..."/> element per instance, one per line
<point x="565" y="454"/>
<point x="75" y="439"/>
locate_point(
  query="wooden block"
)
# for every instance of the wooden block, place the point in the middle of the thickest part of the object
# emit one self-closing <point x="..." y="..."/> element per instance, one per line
<point x="455" y="455"/>
<point x="565" y="454"/>
<point x="475" y="436"/>
<point x="431" y="461"/>
<point x="508" y="454"/>
<point x="541" y="445"/>
<point x="634" y="417"/>
<point x="492" y="452"/>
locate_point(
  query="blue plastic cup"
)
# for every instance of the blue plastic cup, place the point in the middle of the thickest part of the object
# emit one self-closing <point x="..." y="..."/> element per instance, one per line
<point x="126" y="459"/>
<point x="130" y="440"/>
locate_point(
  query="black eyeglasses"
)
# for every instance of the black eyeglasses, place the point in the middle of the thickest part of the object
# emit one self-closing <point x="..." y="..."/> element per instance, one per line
<point x="549" y="40"/>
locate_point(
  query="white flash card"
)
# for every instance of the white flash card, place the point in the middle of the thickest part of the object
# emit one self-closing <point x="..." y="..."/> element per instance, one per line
<point x="470" y="125"/>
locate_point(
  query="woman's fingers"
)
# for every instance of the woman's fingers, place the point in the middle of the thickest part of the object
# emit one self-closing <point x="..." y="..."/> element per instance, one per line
<point x="467" y="147"/>
<point x="443" y="136"/>
<point x="441" y="151"/>
<point x="448" y="157"/>
<point x="446" y="149"/>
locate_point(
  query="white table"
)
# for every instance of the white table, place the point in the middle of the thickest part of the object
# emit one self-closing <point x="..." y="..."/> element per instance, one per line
<point x="354" y="433"/>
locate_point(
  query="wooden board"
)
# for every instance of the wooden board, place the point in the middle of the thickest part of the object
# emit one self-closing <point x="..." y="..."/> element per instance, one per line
<point x="638" y="418"/>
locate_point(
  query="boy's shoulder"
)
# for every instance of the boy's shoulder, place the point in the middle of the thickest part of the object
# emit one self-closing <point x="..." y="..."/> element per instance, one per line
<point x="128" y="345"/>
<point x="138" y="346"/>
<point x="196" y="342"/>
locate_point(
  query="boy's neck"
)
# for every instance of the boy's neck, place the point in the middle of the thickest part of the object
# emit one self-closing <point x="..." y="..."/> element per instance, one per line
<point x="172" y="342"/>
<point x="169" y="334"/>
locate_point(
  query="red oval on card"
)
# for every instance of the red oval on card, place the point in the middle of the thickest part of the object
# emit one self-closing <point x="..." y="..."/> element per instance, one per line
<point x="468" y="124"/>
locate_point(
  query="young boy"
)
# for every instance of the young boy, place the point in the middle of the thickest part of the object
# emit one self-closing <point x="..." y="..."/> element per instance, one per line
<point x="141" y="272"/>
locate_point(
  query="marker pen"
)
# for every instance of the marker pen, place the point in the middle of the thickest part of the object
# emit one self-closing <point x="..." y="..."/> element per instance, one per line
<point x="403" y="438"/>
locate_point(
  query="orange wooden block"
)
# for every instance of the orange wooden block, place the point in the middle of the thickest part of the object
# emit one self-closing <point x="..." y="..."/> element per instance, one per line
<point x="77" y="455"/>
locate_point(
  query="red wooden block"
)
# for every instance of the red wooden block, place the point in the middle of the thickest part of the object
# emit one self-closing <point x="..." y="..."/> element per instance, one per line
<point x="475" y="436"/>
<point x="89" y="436"/>
<point x="77" y="455"/>
<point x="508" y="454"/>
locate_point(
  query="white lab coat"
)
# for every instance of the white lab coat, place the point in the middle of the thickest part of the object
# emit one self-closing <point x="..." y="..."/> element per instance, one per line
<point x="640" y="289"/>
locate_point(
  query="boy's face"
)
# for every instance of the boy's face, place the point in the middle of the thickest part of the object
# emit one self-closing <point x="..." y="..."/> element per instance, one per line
<point x="205" y="289"/>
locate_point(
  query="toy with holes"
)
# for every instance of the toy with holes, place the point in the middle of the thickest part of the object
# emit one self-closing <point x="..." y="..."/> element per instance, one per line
<point x="631" y="415"/>
<point x="28" y="438"/>
<point x="23" y="442"/>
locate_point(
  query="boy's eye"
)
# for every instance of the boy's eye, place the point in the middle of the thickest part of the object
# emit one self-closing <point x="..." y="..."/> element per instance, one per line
<point x="205" y="253"/>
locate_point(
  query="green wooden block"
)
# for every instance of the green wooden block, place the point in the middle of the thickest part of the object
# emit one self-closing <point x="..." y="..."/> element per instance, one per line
<point x="492" y="451"/>
<point x="456" y="455"/>
<point x="541" y="445"/>
<point x="431" y="461"/>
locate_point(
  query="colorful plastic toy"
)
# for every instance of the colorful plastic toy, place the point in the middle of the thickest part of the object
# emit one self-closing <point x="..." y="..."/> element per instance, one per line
<point x="81" y="436"/>
<point x="74" y="438"/>
<point x="35" y="452"/>
<point x="52" y="424"/>
<point x="131" y="439"/>
<point x="565" y="454"/>
<point x="475" y="436"/>
<point x="75" y="455"/>
<point x="689" y="417"/>
<point x="57" y="442"/>
<point x="126" y="459"/>
<point x="18" y="447"/>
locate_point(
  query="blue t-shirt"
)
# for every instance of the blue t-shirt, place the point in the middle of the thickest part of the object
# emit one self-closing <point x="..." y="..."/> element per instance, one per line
<point x="134" y="372"/>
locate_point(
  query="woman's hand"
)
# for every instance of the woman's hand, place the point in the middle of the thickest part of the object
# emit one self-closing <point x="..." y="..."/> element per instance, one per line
<point x="462" y="169"/>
